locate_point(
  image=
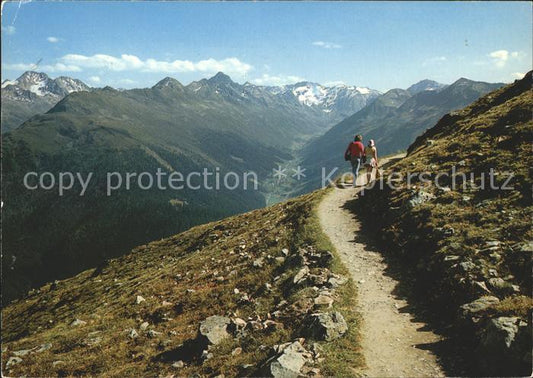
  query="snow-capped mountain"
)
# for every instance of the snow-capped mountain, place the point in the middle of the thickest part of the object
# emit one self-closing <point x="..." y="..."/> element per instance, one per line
<point x="343" y="100"/>
<point x="41" y="85"/>
<point x="34" y="93"/>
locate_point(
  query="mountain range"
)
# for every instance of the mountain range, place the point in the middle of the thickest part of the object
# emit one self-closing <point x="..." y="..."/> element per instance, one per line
<point x="393" y="120"/>
<point x="35" y="93"/>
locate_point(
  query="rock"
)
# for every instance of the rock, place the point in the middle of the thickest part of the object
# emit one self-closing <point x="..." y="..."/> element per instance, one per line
<point x="419" y="198"/>
<point x="178" y="364"/>
<point x="57" y="363"/>
<point x="165" y="303"/>
<point x="501" y="286"/>
<point x="144" y="326"/>
<point x="467" y="266"/>
<point x="239" y="323"/>
<point x="77" y="322"/>
<point x="500" y="331"/>
<point x="133" y="334"/>
<point x="492" y="243"/>
<point x="301" y="275"/>
<point x="335" y="282"/>
<point x="478" y="305"/>
<point x="430" y="142"/>
<point x="326" y="326"/>
<point x="272" y="325"/>
<point x="259" y="263"/>
<point x="288" y="363"/>
<point x="214" y="329"/>
<point x="268" y="286"/>
<point x="139" y="299"/>
<point x="280" y="259"/>
<point x="451" y="258"/>
<point x="236" y="351"/>
<point x="285" y="252"/>
<point x="206" y="355"/>
<point x="23" y="352"/>
<point x="236" y="291"/>
<point x="152" y="334"/>
<point x="323" y="300"/>
<point x="44" y="347"/>
<point x="13" y="361"/>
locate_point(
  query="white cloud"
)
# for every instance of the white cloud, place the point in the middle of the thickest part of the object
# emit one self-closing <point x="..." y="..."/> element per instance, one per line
<point x="434" y="60"/>
<point x="95" y="79"/>
<point x="52" y="39"/>
<point x="9" y="30"/>
<point x="132" y="63"/>
<point x="127" y="81"/>
<point x="267" y="79"/>
<point x="57" y="67"/>
<point x="501" y="57"/>
<point x="518" y="75"/>
<point x="334" y="83"/>
<point x="326" y="45"/>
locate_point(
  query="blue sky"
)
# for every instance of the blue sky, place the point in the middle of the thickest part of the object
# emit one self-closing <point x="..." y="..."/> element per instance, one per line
<point x="381" y="45"/>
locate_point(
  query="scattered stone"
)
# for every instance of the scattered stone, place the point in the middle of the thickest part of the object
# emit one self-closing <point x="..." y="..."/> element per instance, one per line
<point x="144" y="326"/>
<point x="139" y="299"/>
<point x="236" y="351"/>
<point x="133" y="334"/>
<point x="239" y="323"/>
<point x="419" y="198"/>
<point x="165" y="303"/>
<point x="44" y="347"/>
<point x="214" y="329"/>
<point x="285" y="251"/>
<point x="268" y="286"/>
<point x="323" y="300"/>
<point x="326" y="326"/>
<point x="57" y="363"/>
<point x="178" y="364"/>
<point x="13" y="361"/>
<point x="430" y="142"/>
<point x="236" y="291"/>
<point x="259" y="263"/>
<point x="301" y="275"/>
<point x="152" y="334"/>
<point x="206" y="355"/>
<point x="336" y="281"/>
<point x="77" y="322"/>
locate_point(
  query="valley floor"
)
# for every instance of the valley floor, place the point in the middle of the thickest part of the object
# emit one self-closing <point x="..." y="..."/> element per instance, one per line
<point x="393" y="342"/>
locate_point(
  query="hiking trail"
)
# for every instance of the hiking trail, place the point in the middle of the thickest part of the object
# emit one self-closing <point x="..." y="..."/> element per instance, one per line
<point x="393" y="343"/>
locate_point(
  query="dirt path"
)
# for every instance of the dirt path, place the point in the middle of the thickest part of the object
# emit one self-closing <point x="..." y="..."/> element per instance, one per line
<point x="392" y="341"/>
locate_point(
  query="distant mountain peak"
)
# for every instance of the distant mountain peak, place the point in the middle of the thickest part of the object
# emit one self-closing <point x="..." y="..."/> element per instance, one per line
<point x="221" y="78"/>
<point x="168" y="82"/>
<point x="425" y="85"/>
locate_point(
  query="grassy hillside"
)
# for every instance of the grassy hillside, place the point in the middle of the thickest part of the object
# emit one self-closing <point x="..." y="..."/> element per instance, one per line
<point x="139" y="315"/>
<point x="169" y="126"/>
<point x="468" y="249"/>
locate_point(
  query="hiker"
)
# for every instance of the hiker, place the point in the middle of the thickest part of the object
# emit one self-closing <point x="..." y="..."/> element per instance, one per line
<point x="355" y="154"/>
<point x="371" y="154"/>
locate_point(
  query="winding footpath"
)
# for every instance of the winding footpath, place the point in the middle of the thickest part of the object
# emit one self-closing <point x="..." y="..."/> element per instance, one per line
<point x="393" y="343"/>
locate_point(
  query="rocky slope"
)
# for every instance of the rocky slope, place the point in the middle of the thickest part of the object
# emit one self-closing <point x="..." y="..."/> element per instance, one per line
<point x="255" y="294"/>
<point x="466" y="243"/>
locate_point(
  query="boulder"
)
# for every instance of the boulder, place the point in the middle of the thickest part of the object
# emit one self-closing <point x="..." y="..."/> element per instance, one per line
<point x="325" y="326"/>
<point x="478" y="305"/>
<point x="500" y="332"/>
<point x="288" y="363"/>
<point x="214" y="329"/>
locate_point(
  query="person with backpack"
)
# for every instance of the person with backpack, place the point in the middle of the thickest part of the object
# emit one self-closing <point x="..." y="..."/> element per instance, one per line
<point x="355" y="153"/>
<point x="371" y="154"/>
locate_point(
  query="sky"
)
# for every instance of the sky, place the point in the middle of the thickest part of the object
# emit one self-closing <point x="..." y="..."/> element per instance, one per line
<point x="380" y="45"/>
